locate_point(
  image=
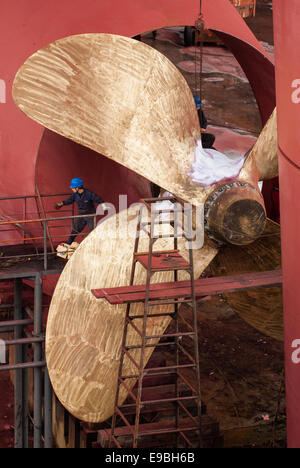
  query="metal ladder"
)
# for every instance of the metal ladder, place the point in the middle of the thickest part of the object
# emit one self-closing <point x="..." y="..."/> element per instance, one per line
<point x="154" y="261"/>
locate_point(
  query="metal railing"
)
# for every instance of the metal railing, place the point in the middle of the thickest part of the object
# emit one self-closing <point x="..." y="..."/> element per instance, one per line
<point x="23" y="211"/>
<point x="40" y="241"/>
<point x="44" y="237"/>
<point x="30" y="370"/>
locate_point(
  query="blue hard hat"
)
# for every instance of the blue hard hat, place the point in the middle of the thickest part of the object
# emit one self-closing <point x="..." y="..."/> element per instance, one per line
<point x="76" y="183"/>
<point x="197" y="101"/>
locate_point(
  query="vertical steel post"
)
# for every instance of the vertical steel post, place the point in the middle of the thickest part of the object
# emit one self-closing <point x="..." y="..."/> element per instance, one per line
<point x="196" y="342"/>
<point x="45" y="245"/>
<point x="18" y="377"/>
<point x="25" y="217"/>
<point x="48" y="411"/>
<point x="37" y="415"/>
<point x="25" y="408"/>
<point x="152" y="240"/>
<point x="176" y="318"/>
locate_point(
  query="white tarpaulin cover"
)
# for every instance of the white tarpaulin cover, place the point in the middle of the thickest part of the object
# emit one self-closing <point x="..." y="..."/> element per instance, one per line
<point x="211" y="166"/>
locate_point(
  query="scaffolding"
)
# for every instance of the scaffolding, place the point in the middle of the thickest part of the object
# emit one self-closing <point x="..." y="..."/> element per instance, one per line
<point x="185" y="420"/>
<point x="40" y="232"/>
<point x="163" y="261"/>
<point x="33" y="365"/>
<point x="42" y="392"/>
<point x="28" y="259"/>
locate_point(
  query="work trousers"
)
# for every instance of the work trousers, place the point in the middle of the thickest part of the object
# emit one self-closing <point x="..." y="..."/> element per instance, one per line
<point x="79" y="225"/>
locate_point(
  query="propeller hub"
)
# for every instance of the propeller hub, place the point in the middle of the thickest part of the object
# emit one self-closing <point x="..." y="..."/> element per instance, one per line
<point x="235" y="214"/>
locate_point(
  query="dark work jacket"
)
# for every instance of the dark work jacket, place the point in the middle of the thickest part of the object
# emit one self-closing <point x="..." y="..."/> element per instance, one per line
<point x="85" y="201"/>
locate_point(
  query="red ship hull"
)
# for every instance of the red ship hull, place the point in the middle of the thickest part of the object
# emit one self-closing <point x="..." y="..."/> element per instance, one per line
<point x="29" y="158"/>
<point x="36" y="161"/>
<point x="286" y="26"/>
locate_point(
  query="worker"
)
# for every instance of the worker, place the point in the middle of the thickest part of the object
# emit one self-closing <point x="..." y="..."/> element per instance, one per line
<point x="207" y="139"/>
<point x="85" y="200"/>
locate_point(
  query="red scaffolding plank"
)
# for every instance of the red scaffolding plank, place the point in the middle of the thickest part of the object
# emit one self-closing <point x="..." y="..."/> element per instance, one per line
<point x="179" y="289"/>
